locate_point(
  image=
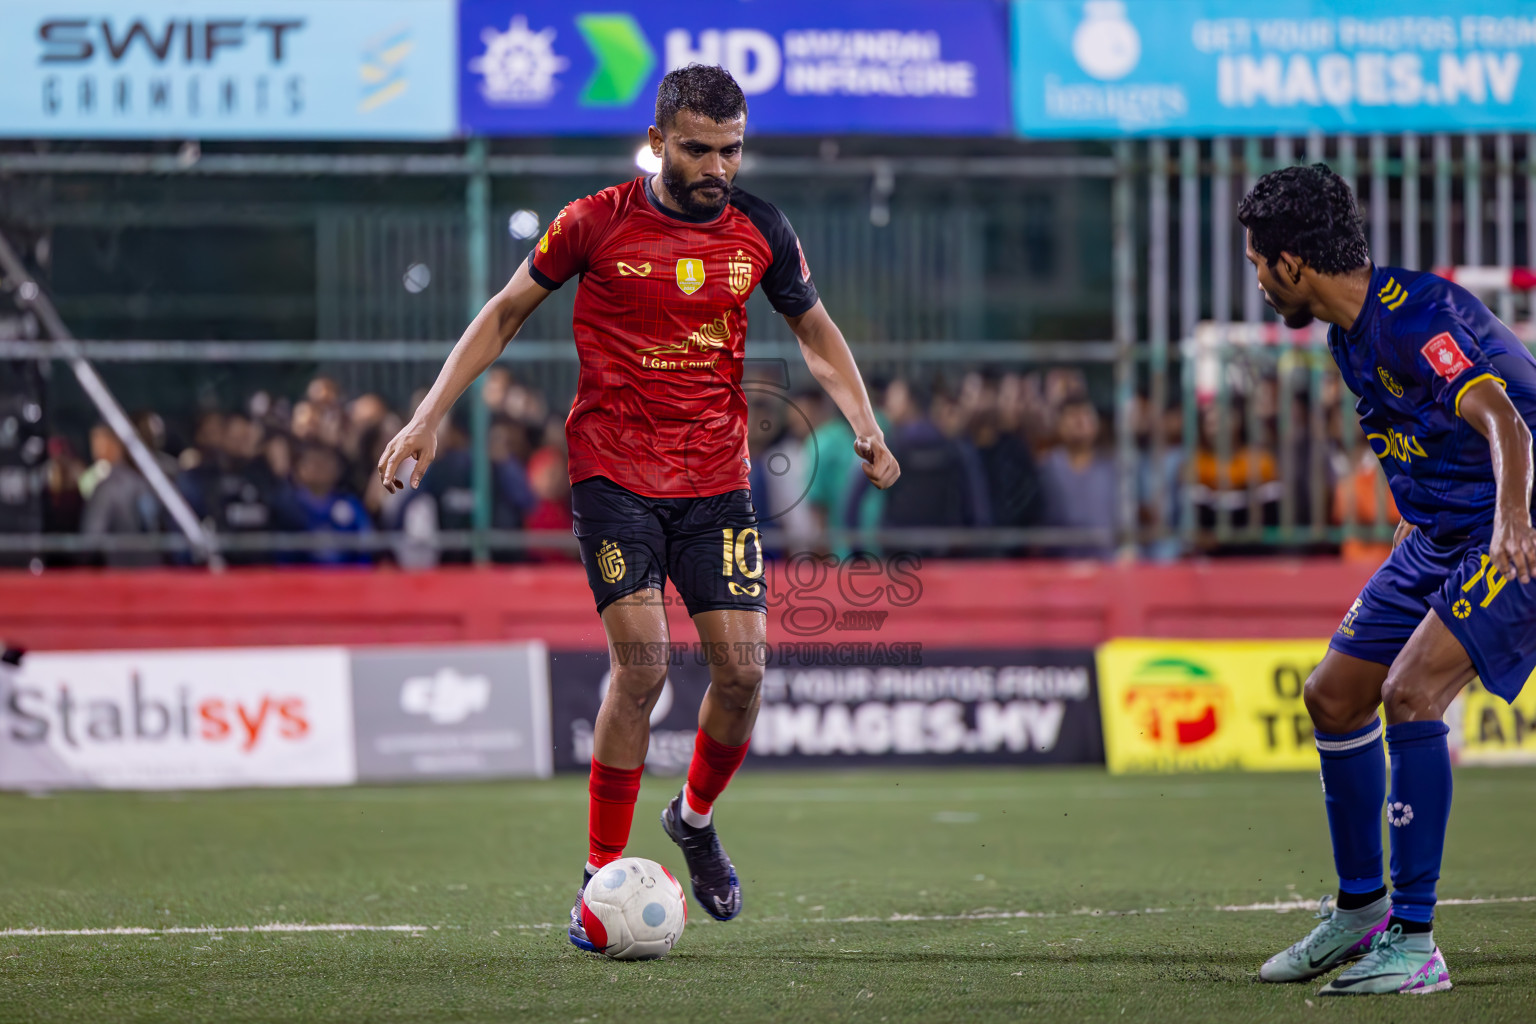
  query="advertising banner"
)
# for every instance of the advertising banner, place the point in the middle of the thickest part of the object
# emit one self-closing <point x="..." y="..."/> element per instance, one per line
<point x="1193" y="705"/>
<point x="451" y="712"/>
<point x="252" y="69"/>
<point x="552" y="67"/>
<point x="1086" y="68"/>
<point x="177" y="719"/>
<point x="1493" y="732"/>
<point x="940" y="707"/>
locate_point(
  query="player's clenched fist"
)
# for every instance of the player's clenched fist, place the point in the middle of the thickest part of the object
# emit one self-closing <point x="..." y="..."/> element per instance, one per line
<point x="415" y="441"/>
<point x="879" y="464"/>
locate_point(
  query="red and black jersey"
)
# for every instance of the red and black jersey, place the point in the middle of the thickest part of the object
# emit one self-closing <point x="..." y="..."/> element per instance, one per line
<point x="660" y="326"/>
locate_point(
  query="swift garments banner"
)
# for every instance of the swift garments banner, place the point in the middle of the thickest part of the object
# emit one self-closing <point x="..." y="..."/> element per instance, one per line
<point x="251" y="69"/>
<point x="178" y="719"/>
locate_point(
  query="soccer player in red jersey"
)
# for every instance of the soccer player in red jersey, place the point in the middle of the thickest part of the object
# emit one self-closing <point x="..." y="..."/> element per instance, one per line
<point x="658" y="443"/>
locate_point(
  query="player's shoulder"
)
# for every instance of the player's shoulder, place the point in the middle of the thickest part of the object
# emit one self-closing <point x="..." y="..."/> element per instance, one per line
<point x="1414" y="301"/>
<point x="607" y="202"/>
<point x="766" y="217"/>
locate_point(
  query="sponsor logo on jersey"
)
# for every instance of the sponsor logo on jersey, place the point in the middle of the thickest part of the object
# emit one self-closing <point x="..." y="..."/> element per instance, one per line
<point x="1392" y="294"/>
<point x="634" y="269"/>
<point x="805" y="268"/>
<point x="739" y="273"/>
<point x="553" y="229"/>
<point x="1390" y="381"/>
<point x="1445" y="356"/>
<point x="707" y="339"/>
<point x="1347" y="627"/>
<point x="690" y="275"/>
<point x="610" y="562"/>
<point x="1402" y="447"/>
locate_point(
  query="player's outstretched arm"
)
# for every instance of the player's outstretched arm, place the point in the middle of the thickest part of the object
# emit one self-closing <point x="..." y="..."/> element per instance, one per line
<point x="831" y="363"/>
<point x="1513" y="547"/>
<point x="497" y="323"/>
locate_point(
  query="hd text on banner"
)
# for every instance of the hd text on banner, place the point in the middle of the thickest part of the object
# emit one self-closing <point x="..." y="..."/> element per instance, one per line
<point x="250" y="69"/>
<point x="1206" y="705"/>
<point x="569" y="67"/>
<point x="1086" y="68"/>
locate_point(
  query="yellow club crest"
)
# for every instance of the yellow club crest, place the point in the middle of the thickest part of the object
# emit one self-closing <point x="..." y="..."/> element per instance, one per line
<point x="1390" y="382"/>
<point x="690" y="275"/>
<point x="610" y="562"/>
<point x="739" y="273"/>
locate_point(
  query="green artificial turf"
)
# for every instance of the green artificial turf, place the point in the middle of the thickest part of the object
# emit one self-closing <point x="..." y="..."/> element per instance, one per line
<point x="1124" y="875"/>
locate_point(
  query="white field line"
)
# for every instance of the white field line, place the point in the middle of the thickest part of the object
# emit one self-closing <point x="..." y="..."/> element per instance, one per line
<point x="19" y="933"/>
<point x="1278" y="906"/>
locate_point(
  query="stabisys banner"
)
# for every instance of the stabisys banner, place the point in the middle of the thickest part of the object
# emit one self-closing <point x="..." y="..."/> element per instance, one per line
<point x="194" y="719"/>
<point x="902" y="705"/>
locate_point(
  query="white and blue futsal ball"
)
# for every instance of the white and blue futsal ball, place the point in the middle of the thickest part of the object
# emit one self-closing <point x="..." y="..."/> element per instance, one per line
<point x="633" y="909"/>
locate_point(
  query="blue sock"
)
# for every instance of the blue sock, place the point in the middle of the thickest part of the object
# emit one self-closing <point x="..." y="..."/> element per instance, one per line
<point x="1418" y="811"/>
<point x="1354" y="788"/>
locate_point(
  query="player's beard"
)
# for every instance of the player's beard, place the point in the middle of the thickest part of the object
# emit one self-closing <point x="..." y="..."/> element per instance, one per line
<point x="686" y="195"/>
<point x="1295" y="319"/>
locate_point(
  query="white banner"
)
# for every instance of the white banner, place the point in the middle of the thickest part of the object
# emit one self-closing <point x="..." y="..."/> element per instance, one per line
<point x="196" y="719"/>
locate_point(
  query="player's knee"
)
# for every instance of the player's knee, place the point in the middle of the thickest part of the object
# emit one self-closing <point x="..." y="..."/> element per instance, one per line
<point x="1328" y="705"/>
<point x="738" y="683"/>
<point x="1405" y="698"/>
<point x="637" y="684"/>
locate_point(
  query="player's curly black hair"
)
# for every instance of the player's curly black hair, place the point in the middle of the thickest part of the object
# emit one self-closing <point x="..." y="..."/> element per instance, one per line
<point x="1310" y="213"/>
<point x="701" y="88"/>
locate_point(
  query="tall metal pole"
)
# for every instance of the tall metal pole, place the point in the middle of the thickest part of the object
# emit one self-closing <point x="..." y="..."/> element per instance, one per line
<point x="1122" y="207"/>
<point x="477" y="200"/>
<point x="1157" y="321"/>
<point x="1189" y="319"/>
<point x="30" y="294"/>
<point x="1411" y="211"/>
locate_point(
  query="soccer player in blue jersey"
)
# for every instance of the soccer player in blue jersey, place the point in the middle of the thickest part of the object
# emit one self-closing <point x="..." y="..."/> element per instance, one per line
<point x="1447" y="401"/>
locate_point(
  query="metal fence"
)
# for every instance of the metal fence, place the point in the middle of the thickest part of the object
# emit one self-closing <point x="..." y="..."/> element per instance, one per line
<point x="1228" y="434"/>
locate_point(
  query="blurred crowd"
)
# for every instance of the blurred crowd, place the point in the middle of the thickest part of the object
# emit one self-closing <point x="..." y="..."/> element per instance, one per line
<point x="307" y="465"/>
<point x="1025" y="451"/>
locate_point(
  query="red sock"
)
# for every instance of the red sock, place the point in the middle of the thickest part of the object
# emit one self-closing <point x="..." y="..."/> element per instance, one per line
<point x="710" y="771"/>
<point x="610" y="811"/>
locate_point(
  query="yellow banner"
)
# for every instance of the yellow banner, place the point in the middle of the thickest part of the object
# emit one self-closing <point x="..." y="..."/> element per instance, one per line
<point x="1194" y="705"/>
<point x="1494" y="732"/>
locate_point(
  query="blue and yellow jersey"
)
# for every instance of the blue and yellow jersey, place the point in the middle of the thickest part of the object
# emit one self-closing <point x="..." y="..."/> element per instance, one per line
<point x="1418" y="344"/>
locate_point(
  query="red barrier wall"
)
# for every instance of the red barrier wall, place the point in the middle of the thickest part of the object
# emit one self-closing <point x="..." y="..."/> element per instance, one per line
<point x="976" y="604"/>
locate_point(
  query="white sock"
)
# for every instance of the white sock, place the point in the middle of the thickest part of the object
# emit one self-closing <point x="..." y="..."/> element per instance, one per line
<point x="691" y="817"/>
<point x="590" y="870"/>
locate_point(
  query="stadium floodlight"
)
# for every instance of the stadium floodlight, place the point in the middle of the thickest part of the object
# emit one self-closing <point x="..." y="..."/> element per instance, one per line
<point x="523" y="224"/>
<point x="647" y="161"/>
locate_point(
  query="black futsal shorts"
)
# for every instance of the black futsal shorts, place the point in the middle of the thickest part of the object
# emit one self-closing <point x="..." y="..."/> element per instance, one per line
<point x="709" y="547"/>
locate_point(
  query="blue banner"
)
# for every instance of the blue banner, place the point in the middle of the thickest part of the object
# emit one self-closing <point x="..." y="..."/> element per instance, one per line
<point x="563" y="67"/>
<point x="1104" y="67"/>
<point x="255" y="69"/>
